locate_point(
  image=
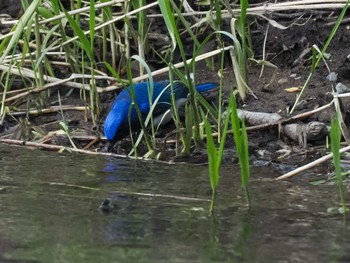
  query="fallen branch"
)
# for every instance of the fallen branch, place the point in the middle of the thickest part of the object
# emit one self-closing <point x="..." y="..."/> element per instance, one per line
<point x="299" y="132"/>
<point x="258" y="118"/>
<point x="263" y="121"/>
<point x="303" y="133"/>
<point x="282" y="120"/>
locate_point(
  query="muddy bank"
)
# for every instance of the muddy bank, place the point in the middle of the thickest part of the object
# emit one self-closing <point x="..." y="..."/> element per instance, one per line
<point x="289" y="50"/>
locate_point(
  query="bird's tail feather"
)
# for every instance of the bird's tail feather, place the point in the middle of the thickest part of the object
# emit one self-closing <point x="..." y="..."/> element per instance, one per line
<point x="206" y="86"/>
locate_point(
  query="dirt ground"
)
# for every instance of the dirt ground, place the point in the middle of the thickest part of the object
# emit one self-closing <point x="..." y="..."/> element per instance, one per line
<point x="289" y="50"/>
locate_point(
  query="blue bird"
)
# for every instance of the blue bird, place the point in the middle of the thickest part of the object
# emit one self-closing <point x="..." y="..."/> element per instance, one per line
<point x="116" y="125"/>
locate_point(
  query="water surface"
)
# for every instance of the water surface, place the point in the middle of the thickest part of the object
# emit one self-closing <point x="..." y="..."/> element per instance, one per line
<point x="49" y="213"/>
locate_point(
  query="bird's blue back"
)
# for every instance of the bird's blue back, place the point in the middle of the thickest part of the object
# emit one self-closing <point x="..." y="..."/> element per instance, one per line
<point x="116" y="125"/>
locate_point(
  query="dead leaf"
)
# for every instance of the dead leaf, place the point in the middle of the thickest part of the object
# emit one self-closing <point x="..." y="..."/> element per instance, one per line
<point x="293" y="89"/>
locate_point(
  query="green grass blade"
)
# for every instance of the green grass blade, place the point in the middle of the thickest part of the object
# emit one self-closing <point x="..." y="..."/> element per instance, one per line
<point x="212" y="156"/>
<point x="218" y="15"/>
<point x="92" y="24"/>
<point x="335" y="147"/>
<point x="115" y="74"/>
<point x="244" y="28"/>
<point x="241" y="140"/>
<point x="84" y="42"/>
<point x="223" y="139"/>
<point x="245" y="156"/>
<point x="213" y="162"/>
<point x="168" y="16"/>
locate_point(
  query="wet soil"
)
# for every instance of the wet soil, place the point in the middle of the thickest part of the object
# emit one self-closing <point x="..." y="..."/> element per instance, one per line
<point x="289" y="50"/>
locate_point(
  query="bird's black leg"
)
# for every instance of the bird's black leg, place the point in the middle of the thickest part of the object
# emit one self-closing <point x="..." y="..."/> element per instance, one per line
<point x="109" y="146"/>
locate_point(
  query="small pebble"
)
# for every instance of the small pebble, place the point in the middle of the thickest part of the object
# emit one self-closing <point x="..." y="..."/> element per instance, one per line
<point x="282" y="81"/>
<point x="341" y="88"/>
<point x="332" y="76"/>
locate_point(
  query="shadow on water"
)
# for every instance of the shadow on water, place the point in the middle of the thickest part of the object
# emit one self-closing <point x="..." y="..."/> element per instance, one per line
<point x="49" y="204"/>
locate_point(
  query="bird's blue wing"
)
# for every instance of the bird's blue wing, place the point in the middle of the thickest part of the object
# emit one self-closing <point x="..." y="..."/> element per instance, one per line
<point x="206" y="86"/>
<point x="117" y="116"/>
<point x="162" y="93"/>
<point x="141" y="95"/>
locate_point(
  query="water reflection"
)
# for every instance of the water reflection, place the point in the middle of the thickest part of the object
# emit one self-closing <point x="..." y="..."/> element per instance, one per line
<point x="114" y="173"/>
<point x="46" y="222"/>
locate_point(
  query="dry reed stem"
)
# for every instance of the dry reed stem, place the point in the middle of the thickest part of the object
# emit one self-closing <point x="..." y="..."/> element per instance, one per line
<point x="50" y="110"/>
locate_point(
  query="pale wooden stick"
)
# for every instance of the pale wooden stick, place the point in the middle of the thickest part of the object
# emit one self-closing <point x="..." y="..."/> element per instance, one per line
<point x="59" y="148"/>
<point x="341" y="95"/>
<point x="70" y="149"/>
<point x="312" y="164"/>
<point x="49" y="110"/>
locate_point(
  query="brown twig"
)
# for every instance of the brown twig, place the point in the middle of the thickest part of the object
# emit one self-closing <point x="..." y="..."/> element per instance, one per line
<point x="91" y="143"/>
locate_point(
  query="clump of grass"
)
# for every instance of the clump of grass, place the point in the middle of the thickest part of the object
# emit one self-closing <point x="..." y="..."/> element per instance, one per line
<point x="168" y="8"/>
<point x="240" y="33"/>
<point x="239" y="58"/>
<point x="215" y="156"/>
<point x="10" y="43"/>
<point x="88" y="47"/>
